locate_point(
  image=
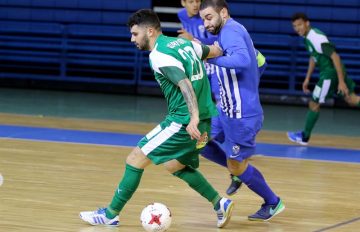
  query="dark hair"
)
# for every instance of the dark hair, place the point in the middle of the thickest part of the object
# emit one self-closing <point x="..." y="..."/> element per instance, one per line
<point x="299" y="15"/>
<point x="216" y="4"/>
<point x="144" y="17"/>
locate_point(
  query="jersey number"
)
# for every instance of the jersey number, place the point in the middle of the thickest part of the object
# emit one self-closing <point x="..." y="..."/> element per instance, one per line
<point x="189" y="53"/>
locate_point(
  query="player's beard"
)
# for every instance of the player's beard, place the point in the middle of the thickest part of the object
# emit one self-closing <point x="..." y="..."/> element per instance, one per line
<point x="217" y="27"/>
<point x="145" y="44"/>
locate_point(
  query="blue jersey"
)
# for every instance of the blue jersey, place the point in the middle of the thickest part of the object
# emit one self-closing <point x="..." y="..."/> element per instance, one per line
<point x="238" y="72"/>
<point x="195" y="26"/>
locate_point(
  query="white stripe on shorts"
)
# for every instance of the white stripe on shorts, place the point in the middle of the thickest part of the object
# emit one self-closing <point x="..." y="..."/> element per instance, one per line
<point x="161" y="137"/>
<point x="324" y="90"/>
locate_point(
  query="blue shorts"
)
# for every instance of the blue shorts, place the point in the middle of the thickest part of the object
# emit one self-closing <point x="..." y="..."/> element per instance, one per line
<point x="238" y="136"/>
<point x="216" y="126"/>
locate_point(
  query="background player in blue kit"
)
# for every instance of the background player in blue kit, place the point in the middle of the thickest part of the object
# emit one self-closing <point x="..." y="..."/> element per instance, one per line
<point x="242" y="115"/>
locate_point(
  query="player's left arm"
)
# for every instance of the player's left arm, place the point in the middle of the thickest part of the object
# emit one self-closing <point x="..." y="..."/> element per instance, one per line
<point x="183" y="33"/>
<point x="237" y="52"/>
<point x="330" y="51"/>
<point x="261" y="60"/>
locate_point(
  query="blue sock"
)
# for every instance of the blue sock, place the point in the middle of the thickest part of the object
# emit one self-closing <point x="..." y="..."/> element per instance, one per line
<point x="214" y="153"/>
<point x="256" y="182"/>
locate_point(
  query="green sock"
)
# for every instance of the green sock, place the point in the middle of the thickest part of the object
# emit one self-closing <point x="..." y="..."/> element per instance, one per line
<point x="311" y="118"/>
<point x="198" y="182"/>
<point x="127" y="187"/>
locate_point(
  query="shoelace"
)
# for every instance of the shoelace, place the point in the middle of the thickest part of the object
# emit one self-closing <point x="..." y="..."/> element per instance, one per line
<point x="101" y="211"/>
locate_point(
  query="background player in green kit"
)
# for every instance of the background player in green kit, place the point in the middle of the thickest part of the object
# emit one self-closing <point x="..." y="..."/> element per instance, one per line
<point x="177" y="141"/>
<point x="333" y="79"/>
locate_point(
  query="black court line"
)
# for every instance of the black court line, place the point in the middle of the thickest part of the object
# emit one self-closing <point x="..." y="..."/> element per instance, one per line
<point x="338" y="225"/>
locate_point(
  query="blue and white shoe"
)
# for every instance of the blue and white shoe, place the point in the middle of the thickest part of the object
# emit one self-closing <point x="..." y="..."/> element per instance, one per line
<point x="224" y="213"/>
<point x="267" y="212"/>
<point x="297" y="137"/>
<point x="98" y="217"/>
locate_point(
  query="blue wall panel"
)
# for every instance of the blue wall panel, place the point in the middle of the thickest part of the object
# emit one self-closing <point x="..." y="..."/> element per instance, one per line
<point x="88" y="40"/>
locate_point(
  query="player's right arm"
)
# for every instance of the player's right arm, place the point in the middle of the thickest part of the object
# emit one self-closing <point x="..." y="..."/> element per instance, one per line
<point x="310" y="71"/>
<point x="191" y="101"/>
<point x="178" y="77"/>
<point x="172" y="69"/>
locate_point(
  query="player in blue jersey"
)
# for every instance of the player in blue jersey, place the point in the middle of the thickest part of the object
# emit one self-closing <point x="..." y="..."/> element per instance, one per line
<point x="193" y="28"/>
<point x="242" y="115"/>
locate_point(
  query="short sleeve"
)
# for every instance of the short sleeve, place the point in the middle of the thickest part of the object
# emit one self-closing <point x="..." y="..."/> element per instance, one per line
<point x="201" y="50"/>
<point x="327" y="49"/>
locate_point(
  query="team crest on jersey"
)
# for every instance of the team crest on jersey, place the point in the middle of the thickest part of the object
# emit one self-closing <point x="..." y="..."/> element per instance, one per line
<point x="235" y="149"/>
<point x="202" y="141"/>
<point x="201" y="28"/>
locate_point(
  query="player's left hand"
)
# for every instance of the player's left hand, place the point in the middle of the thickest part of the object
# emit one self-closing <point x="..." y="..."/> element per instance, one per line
<point x="182" y="33"/>
<point x="305" y="86"/>
<point x="343" y="89"/>
<point x="219" y="51"/>
<point x="192" y="128"/>
<point x="196" y="40"/>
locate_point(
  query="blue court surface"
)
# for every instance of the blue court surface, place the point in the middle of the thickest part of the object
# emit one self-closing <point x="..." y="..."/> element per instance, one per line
<point x="122" y="139"/>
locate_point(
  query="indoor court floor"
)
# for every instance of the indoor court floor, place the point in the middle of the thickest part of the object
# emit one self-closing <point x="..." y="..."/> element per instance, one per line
<point x="64" y="152"/>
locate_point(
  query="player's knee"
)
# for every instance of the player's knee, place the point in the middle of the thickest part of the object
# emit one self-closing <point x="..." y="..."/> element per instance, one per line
<point x="237" y="168"/>
<point x="352" y="100"/>
<point x="314" y="106"/>
<point x="137" y="159"/>
<point x="173" y="166"/>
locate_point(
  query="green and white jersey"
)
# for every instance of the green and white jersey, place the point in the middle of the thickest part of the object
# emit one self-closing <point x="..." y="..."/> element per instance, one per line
<point x="174" y="59"/>
<point x="320" y="50"/>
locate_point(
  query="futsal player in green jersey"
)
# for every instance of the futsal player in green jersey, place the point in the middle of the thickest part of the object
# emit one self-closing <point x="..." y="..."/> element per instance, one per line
<point x="333" y="79"/>
<point x="176" y="141"/>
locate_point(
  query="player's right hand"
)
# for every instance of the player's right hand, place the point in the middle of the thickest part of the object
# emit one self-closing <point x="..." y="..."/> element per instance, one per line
<point x="192" y="128"/>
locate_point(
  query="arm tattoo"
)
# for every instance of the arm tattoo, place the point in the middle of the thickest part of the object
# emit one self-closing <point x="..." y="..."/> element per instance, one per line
<point x="189" y="96"/>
